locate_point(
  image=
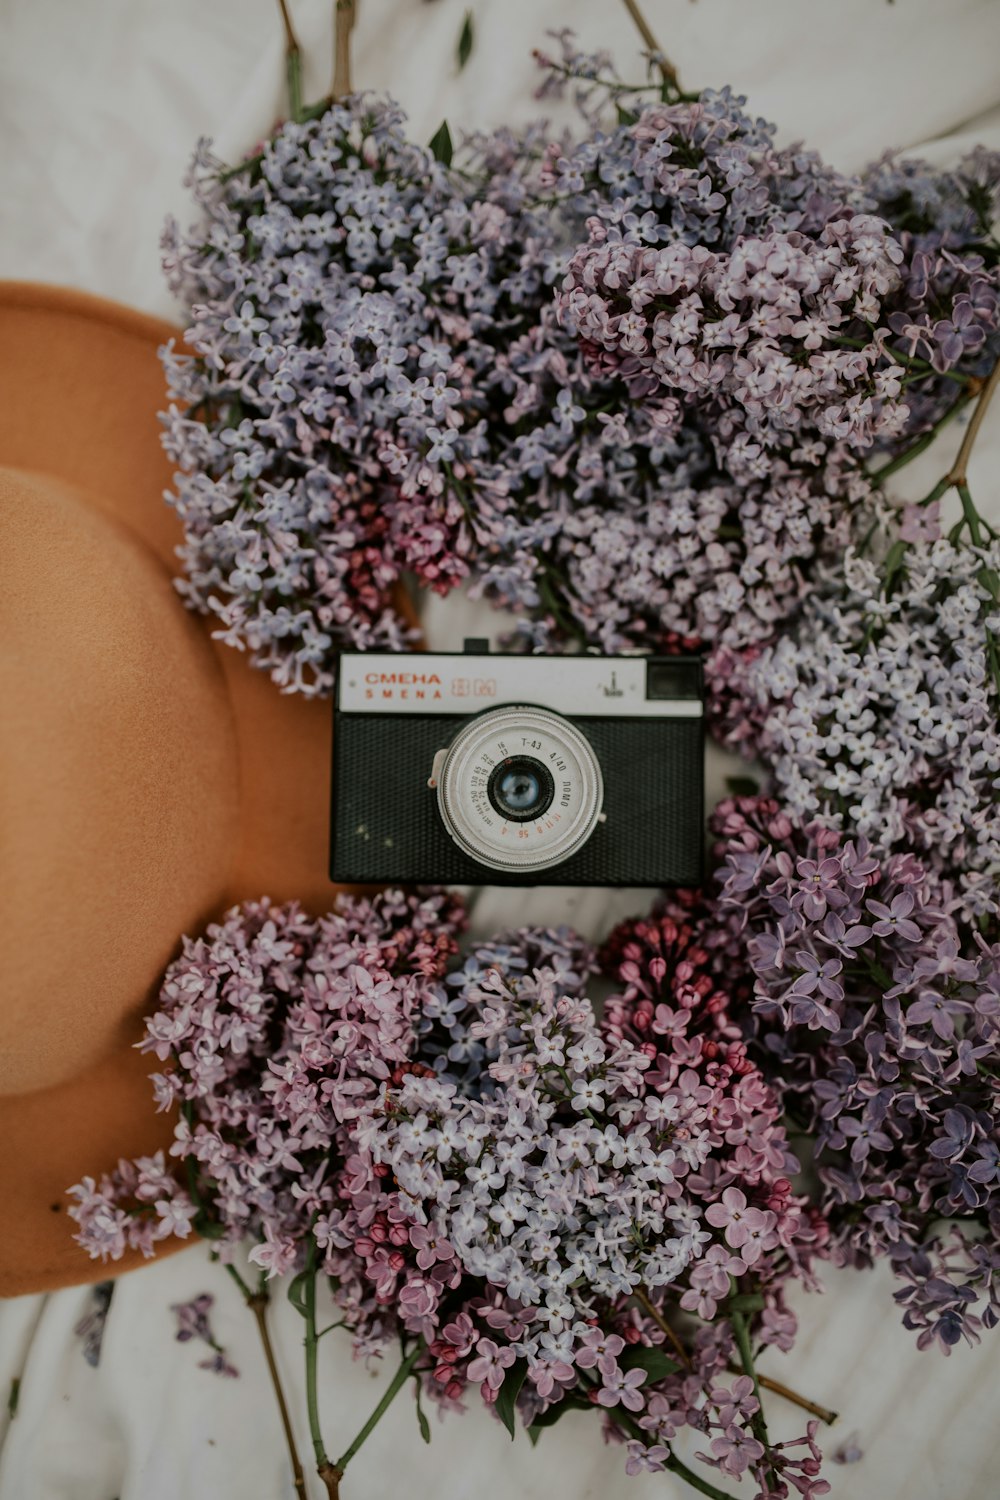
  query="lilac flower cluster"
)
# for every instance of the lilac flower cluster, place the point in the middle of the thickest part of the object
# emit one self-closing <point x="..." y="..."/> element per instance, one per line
<point x="880" y="1020"/>
<point x="570" y="1184"/>
<point x="944" y="222"/>
<point x="751" y="293"/>
<point x="877" y="713"/>
<point x="729" y="327"/>
<point x="277" y="1027"/>
<point x="342" y="305"/>
<point x="384" y="382"/>
<point x="560" y="1211"/>
<point x="757" y="284"/>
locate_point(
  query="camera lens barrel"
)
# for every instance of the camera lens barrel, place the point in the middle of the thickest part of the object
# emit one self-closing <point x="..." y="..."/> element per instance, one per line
<point x="520" y="789"/>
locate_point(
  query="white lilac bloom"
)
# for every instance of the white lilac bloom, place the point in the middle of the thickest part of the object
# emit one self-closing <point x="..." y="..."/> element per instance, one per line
<point x="882" y="722"/>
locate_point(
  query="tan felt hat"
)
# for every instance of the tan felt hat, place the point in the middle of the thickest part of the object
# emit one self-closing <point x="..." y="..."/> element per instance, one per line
<point x="149" y="777"/>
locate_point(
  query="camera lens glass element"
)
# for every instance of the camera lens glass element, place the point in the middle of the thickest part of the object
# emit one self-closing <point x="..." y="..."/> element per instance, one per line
<point x="521" y="788"/>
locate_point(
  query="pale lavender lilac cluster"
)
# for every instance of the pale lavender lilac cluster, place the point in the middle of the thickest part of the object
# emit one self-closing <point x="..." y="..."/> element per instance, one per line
<point x="877" y="713"/>
<point x="879" y="1023"/>
<point x="344" y="303"/>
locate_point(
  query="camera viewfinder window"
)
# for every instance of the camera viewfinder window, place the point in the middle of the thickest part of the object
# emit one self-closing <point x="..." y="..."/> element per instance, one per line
<point x="673" y="679"/>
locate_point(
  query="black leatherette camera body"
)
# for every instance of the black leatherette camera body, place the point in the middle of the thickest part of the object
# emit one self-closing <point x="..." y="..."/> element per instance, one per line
<point x="385" y="823"/>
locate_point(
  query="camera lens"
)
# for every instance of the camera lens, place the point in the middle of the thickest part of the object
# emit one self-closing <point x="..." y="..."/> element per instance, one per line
<point x="521" y="788"/>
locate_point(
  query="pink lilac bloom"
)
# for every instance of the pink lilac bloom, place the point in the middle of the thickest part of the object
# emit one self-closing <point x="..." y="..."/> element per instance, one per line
<point x="494" y="1151"/>
<point x="277" y="1027"/>
<point x="427" y="1125"/>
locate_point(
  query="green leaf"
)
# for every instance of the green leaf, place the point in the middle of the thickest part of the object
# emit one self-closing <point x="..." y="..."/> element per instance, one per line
<point x="988" y="580"/>
<point x="297" y="1292"/>
<point x="422" y="1422"/>
<point x="466" y="40"/>
<point x="745" y="1302"/>
<point x="14" y="1397"/>
<point x="656" y="1364"/>
<point x="510" y="1390"/>
<point x="441" y="144"/>
<point x="626" y="116"/>
<point x="894" y="559"/>
<point x="206" y="1228"/>
<point x="742" y="786"/>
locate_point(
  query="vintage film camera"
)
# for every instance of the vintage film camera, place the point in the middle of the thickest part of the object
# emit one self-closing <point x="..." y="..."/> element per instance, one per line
<point x="478" y="768"/>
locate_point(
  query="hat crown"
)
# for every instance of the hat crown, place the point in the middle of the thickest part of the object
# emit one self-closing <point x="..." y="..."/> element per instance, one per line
<point x="118" y="779"/>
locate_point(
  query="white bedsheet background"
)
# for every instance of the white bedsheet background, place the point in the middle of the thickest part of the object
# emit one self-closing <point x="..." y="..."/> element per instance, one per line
<point x="100" y="105"/>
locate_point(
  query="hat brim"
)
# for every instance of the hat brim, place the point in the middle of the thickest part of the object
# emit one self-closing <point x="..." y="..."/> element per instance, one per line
<point x="80" y="387"/>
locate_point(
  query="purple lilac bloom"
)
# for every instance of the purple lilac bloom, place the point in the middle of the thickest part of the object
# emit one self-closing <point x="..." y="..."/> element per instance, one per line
<point x="895" y="1075"/>
<point x="193" y="1323"/>
<point x="91" y="1326"/>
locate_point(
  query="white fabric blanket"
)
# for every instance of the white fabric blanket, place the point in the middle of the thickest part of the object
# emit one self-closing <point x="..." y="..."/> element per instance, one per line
<point x="100" y="106"/>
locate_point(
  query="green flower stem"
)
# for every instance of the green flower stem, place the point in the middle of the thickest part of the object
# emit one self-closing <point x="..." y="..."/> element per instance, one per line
<point x="398" y="1381"/>
<point x="971" y="514"/>
<point x="741" y="1333"/>
<point x="327" y="1471"/>
<point x="293" y="63"/>
<point x="676" y="1466"/>
<point x="668" y="72"/>
<point x="246" y="1292"/>
<point x="258" y="1301"/>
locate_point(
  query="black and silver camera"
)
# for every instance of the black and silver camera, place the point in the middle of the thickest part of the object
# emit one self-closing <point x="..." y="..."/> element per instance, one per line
<point x="478" y="769"/>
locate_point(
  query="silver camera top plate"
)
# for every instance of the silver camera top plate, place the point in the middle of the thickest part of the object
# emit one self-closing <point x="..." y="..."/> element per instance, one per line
<point x="430" y="682"/>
